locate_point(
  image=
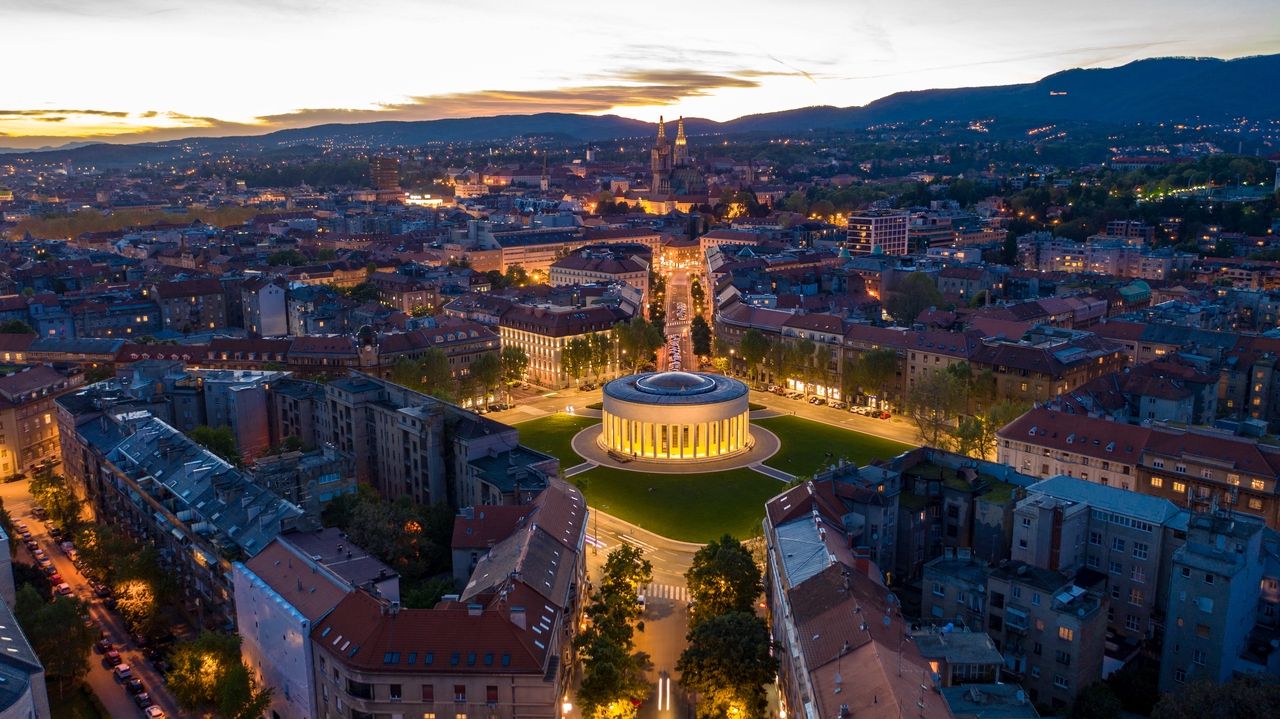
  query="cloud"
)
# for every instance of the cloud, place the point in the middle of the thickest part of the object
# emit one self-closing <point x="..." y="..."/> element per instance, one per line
<point x="40" y="113"/>
<point x="631" y="87"/>
<point x="628" y="88"/>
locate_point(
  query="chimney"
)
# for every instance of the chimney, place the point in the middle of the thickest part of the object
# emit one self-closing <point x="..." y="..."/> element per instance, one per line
<point x="517" y="616"/>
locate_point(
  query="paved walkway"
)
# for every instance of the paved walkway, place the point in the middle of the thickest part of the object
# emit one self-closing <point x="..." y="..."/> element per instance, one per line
<point x="586" y="444"/>
<point x="777" y="474"/>
<point x="577" y="469"/>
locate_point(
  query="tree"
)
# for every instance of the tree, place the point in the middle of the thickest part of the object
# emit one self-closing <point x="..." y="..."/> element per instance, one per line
<point x="873" y="373"/>
<point x="753" y="348"/>
<point x="576" y="357"/>
<point x="914" y="295"/>
<point x="722" y="578"/>
<point x="602" y="348"/>
<point x="934" y="404"/>
<point x="16" y="327"/>
<point x="515" y="361"/>
<point x="437" y="377"/>
<point x="207" y="673"/>
<point x="218" y="440"/>
<point x="363" y="292"/>
<point x="728" y="663"/>
<point x="1095" y="701"/>
<point x="55" y="494"/>
<point x="516" y="276"/>
<point x="700" y="333"/>
<point x="613" y="681"/>
<point x="57" y="635"/>
<point x="1245" y="697"/>
<point x="487" y="370"/>
<point x="638" y="340"/>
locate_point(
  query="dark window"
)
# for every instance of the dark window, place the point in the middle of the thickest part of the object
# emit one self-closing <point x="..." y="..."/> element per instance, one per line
<point x="359" y="690"/>
<point x="428" y="693"/>
<point x="393" y="690"/>
<point x="491" y="694"/>
<point x="459" y="692"/>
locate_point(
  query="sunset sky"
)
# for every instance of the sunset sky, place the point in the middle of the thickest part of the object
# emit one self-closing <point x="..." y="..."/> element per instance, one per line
<point x="134" y="70"/>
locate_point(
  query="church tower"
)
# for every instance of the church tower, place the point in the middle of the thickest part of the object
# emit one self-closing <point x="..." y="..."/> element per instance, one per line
<point x="660" y="161"/>
<point x="681" y="155"/>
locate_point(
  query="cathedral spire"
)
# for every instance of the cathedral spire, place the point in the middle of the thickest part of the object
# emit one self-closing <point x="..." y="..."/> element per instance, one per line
<point x="662" y="129"/>
<point x="680" y="129"/>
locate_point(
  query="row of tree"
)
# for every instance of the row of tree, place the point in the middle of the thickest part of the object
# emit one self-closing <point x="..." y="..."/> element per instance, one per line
<point x="588" y="354"/>
<point x="613" y="670"/>
<point x="957" y="409"/>
<point x="432" y="375"/>
<point x="729" y="659"/>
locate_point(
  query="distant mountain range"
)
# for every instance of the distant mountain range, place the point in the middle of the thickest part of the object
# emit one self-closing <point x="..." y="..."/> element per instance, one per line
<point x="1154" y="90"/>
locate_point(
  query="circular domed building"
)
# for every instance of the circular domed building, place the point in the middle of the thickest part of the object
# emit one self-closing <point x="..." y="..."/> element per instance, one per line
<point x="676" y="416"/>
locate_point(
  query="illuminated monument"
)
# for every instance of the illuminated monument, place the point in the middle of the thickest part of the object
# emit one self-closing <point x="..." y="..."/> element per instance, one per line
<point x="676" y="417"/>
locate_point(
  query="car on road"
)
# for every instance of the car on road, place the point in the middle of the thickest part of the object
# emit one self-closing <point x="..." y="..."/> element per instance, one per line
<point x="112" y="657"/>
<point x="55" y="578"/>
<point x="38" y="512"/>
<point x="122" y="672"/>
<point x="153" y="712"/>
<point x="46" y="566"/>
<point x="834" y="404"/>
<point x="135" y="686"/>
<point x="63" y="588"/>
<point x="31" y="545"/>
<point x="19" y="525"/>
<point x="143" y="700"/>
<point x="883" y="415"/>
<point x="103" y="645"/>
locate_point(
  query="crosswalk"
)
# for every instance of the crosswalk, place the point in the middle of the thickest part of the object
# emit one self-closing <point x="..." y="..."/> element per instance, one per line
<point x="654" y="591"/>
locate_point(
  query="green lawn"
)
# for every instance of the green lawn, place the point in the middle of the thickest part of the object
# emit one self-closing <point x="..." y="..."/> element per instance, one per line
<point x="809" y="445"/>
<point x="553" y="434"/>
<point x="688" y="507"/>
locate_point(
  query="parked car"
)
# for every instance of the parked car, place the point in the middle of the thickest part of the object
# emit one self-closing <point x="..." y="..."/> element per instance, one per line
<point x="20" y="525"/>
<point x="38" y="512"/>
<point x="835" y="404"/>
<point x="122" y="672"/>
<point x="31" y="545"/>
<point x="135" y="686"/>
<point x="112" y="657"/>
<point x="884" y="415"/>
<point x="102" y="646"/>
<point x="55" y="578"/>
<point x="63" y="588"/>
<point x="153" y="712"/>
<point x="143" y="700"/>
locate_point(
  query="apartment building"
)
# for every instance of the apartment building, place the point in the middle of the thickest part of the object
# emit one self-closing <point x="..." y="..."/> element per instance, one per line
<point x="262" y="300"/>
<point x="502" y="648"/>
<point x="28" y="424"/>
<point x="544" y="332"/>
<point x="188" y="306"/>
<point x="408" y="444"/>
<point x="1194" y="468"/>
<point x="1067" y="524"/>
<point x="833" y="618"/>
<point x="152" y="482"/>
<point x="294" y="582"/>
<point x="1222" y="605"/>
<point x="1051" y="631"/>
<point x="875" y="232"/>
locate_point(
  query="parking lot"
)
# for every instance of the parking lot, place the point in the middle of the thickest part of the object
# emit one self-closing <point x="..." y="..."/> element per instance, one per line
<point x="115" y="693"/>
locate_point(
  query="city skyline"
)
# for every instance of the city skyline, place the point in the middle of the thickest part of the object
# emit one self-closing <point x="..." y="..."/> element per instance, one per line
<point x="211" y="69"/>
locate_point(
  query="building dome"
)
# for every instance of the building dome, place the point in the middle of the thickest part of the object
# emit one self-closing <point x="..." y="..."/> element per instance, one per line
<point x="676" y="416"/>
<point x="675" y="383"/>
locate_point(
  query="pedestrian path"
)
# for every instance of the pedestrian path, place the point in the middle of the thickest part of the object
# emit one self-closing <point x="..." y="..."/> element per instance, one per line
<point x="577" y="469"/>
<point x="654" y="591"/>
<point x="777" y="474"/>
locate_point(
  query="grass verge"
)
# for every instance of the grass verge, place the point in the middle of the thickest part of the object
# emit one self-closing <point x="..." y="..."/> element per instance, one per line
<point x="809" y="445"/>
<point x="687" y="507"/>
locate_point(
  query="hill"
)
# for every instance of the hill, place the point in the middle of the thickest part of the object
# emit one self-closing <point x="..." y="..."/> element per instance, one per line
<point x="1153" y="90"/>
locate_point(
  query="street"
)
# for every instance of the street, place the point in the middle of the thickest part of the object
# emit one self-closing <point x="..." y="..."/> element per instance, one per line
<point x="677" y="294"/>
<point x="666" y="614"/>
<point x="117" y="700"/>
